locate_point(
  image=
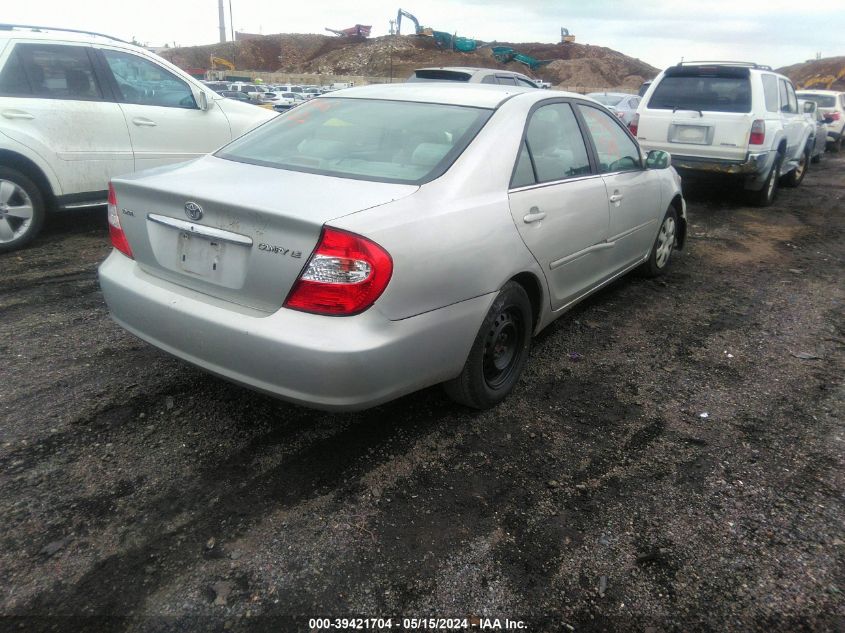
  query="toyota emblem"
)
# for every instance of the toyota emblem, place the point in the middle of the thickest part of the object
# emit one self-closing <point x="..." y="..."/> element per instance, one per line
<point x="193" y="210"/>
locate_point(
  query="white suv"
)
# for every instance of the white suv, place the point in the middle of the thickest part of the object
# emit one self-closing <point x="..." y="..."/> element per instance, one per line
<point x="730" y="118"/>
<point x="78" y="108"/>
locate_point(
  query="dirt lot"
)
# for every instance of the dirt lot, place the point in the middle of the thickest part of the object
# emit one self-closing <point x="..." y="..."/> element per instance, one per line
<point x="686" y="474"/>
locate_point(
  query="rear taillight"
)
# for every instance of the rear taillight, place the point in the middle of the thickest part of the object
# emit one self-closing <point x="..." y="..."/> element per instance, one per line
<point x="634" y="124"/>
<point x="834" y="115"/>
<point x="118" y="237"/>
<point x="758" y="132"/>
<point x="345" y="275"/>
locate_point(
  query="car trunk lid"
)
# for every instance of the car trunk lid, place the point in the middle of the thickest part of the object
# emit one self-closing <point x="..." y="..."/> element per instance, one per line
<point x="237" y="232"/>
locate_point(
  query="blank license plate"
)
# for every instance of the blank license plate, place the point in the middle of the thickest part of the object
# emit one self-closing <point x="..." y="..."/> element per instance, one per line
<point x="198" y="255"/>
<point x="696" y="134"/>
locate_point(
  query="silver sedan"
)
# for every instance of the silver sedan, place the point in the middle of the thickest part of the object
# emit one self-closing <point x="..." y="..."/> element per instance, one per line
<point x="382" y="239"/>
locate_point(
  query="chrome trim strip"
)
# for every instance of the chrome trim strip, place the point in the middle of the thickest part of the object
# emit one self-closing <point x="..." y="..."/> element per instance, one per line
<point x="84" y="205"/>
<point x="565" y="260"/>
<point x="198" y="229"/>
<point x="630" y="231"/>
<point x="554" y="182"/>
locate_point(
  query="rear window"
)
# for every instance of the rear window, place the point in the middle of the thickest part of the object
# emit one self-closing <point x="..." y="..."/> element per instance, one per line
<point x="824" y="101"/>
<point x="703" y="88"/>
<point x="365" y="139"/>
<point x="439" y="75"/>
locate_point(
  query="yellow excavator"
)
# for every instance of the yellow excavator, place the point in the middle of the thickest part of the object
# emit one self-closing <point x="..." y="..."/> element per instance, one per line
<point x="219" y="61"/>
<point x="823" y="82"/>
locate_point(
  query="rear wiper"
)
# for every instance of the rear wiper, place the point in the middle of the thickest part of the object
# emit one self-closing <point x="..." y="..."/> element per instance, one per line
<point x="676" y="108"/>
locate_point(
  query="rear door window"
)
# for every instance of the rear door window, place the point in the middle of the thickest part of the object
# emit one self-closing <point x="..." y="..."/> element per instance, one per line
<point x="700" y="88"/>
<point x="56" y="71"/>
<point x="13" y="81"/>
<point x="555" y="145"/>
<point x="506" y="80"/>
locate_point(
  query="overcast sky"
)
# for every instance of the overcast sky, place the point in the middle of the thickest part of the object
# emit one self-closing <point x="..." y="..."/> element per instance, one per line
<point x="660" y="32"/>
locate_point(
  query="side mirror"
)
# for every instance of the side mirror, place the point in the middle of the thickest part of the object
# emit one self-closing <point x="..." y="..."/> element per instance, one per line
<point x="658" y="159"/>
<point x="201" y="97"/>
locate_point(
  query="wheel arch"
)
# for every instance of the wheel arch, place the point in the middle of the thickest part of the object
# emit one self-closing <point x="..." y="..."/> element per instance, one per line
<point x="534" y="289"/>
<point x="32" y="170"/>
<point x="678" y="204"/>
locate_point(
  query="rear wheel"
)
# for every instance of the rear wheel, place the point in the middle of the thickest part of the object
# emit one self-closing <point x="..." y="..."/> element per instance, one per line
<point x="499" y="352"/>
<point x="21" y="210"/>
<point x="794" y="178"/>
<point x="836" y="146"/>
<point x="766" y="195"/>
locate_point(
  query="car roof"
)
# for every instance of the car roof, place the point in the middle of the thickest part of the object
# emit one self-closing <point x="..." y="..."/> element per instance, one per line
<point x="450" y="93"/>
<point x="472" y="69"/>
<point x="810" y="91"/>
<point x="613" y="94"/>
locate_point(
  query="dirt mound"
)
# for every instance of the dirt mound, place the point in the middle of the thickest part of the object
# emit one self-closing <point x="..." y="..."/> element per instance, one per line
<point x="822" y="74"/>
<point x="399" y="55"/>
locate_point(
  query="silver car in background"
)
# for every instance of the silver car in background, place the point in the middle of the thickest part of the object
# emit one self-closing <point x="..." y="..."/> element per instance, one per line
<point x="382" y="239"/>
<point x="622" y="104"/>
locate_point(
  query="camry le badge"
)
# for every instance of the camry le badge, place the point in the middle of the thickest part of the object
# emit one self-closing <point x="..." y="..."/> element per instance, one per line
<point x="193" y="210"/>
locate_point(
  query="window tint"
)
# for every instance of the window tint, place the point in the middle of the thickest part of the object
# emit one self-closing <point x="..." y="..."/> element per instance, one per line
<point x="616" y="150"/>
<point x="824" y="101"/>
<point x="784" y="97"/>
<point x="556" y="145"/>
<point x="506" y="80"/>
<point x="523" y="174"/>
<point x="60" y="72"/>
<point x="13" y="80"/>
<point x="524" y="83"/>
<point x="715" y="94"/>
<point x="770" y="91"/>
<point x="143" y="82"/>
<point x="489" y="79"/>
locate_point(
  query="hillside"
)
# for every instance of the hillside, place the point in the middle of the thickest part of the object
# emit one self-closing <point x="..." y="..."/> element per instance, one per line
<point x="827" y="73"/>
<point x="398" y="55"/>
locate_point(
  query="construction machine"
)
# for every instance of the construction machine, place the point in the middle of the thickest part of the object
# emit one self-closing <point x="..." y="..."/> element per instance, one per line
<point x="506" y="54"/>
<point x="565" y="36"/>
<point x="417" y="28"/>
<point x="219" y="61"/>
<point x="359" y="30"/>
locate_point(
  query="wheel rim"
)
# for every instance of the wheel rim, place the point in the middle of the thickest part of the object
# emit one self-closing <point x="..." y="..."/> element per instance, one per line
<point x="503" y="347"/>
<point x="802" y="165"/>
<point x="15" y="211"/>
<point x="665" y="241"/>
<point x="770" y="187"/>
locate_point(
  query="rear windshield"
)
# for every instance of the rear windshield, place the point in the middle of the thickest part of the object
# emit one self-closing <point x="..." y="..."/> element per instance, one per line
<point x="824" y="101"/>
<point x="365" y="139"/>
<point x="608" y="100"/>
<point x="720" y="90"/>
<point x="439" y="75"/>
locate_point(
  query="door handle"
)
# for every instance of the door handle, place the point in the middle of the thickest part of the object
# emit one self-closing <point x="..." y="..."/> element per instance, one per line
<point x="616" y="197"/>
<point x="17" y="114"/>
<point x="144" y="122"/>
<point x="534" y="215"/>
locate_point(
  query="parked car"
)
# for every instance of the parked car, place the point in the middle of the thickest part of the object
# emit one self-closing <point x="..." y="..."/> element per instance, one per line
<point x="287" y="100"/>
<point x="236" y="95"/>
<point x="77" y="109"/>
<point x="216" y="86"/>
<point x="832" y="106"/>
<point x="819" y="139"/>
<point x="424" y="234"/>
<point x="729" y="119"/>
<point x="473" y="76"/>
<point x="253" y="91"/>
<point x="622" y="104"/>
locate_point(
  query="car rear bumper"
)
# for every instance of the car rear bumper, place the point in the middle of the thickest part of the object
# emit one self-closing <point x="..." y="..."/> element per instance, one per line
<point x="754" y="168"/>
<point x="335" y="363"/>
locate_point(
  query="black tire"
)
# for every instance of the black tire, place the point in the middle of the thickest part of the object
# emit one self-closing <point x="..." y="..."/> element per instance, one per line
<point x="836" y="146"/>
<point x="796" y="176"/>
<point x="817" y="158"/>
<point x="16" y="232"/>
<point x="766" y="196"/>
<point x="661" y="253"/>
<point x="499" y="352"/>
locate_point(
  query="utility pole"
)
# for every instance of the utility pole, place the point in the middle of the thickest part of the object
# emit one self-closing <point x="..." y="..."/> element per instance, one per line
<point x="222" y="16"/>
<point x="234" y="44"/>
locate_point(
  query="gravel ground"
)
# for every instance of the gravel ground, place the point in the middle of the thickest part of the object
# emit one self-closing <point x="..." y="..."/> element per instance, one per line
<point x="686" y="474"/>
